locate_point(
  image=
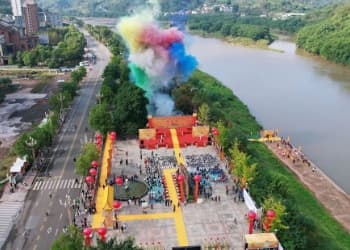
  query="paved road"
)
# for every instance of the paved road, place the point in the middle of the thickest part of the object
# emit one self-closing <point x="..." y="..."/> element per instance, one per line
<point x="35" y="230"/>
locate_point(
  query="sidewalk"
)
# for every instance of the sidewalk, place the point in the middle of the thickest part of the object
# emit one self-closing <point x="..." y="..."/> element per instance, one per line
<point x="331" y="196"/>
<point x="11" y="205"/>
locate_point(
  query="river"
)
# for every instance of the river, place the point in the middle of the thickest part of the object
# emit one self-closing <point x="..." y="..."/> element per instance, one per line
<point x="304" y="96"/>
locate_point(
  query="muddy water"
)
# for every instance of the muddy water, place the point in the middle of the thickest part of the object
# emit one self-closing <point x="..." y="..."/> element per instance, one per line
<point x="305" y="97"/>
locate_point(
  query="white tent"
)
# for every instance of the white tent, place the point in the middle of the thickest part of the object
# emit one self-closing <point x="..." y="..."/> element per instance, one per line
<point x="17" y="166"/>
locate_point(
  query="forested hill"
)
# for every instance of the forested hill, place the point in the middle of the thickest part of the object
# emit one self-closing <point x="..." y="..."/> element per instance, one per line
<point x="329" y="38"/>
<point x="115" y="8"/>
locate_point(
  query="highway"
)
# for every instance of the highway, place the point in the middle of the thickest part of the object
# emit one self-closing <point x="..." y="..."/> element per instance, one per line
<point x="34" y="229"/>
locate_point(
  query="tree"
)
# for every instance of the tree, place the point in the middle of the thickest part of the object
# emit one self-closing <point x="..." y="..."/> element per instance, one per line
<point x="84" y="160"/>
<point x="100" y="118"/>
<point x="71" y="240"/>
<point x="114" y="244"/>
<point x="280" y="212"/>
<point x="203" y="114"/>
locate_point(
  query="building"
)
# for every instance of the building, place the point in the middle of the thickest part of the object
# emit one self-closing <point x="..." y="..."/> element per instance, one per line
<point x="11" y="41"/>
<point x="16" y="7"/>
<point x="30" y="15"/>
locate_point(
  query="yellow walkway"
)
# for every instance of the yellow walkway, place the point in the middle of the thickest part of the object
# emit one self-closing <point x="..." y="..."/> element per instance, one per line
<point x="104" y="197"/>
<point x="176" y="145"/>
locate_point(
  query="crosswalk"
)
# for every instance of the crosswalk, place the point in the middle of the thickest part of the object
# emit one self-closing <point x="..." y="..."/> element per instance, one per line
<point x="56" y="183"/>
<point x="9" y="210"/>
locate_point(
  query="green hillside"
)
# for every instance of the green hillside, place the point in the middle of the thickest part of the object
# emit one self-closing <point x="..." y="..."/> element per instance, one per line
<point x="329" y="38"/>
<point x="114" y="8"/>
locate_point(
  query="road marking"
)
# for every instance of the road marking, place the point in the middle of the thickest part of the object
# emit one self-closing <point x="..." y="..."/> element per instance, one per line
<point x="41" y="228"/>
<point x="82" y="118"/>
<point x="50" y="204"/>
<point x="36" y="204"/>
<point x="58" y="183"/>
<point x="61" y="216"/>
<point x="38" y="237"/>
<point x="68" y="191"/>
<point x="56" y="232"/>
<point x="35" y="247"/>
<point x="45" y="219"/>
<point x="65" y="183"/>
<point x="36" y="185"/>
<point x="49" y="230"/>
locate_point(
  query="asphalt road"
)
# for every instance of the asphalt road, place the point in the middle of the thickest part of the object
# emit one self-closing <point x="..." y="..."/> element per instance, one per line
<point x="34" y="229"/>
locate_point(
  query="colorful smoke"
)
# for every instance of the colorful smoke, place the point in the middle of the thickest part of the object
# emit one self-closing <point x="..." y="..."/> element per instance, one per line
<point x="157" y="60"/>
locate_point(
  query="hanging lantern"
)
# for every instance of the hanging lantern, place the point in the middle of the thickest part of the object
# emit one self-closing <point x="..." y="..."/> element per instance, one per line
<point x="93" y="171"/>
<point x="119" y="181"/>
<point x="89" y="179"/>
<point x="117" y="204"/>
<point x="94" y="164"/>
<point x="180" y="178"/>
<point x="87" y="231"/>
<point x="270" y="214"/>
<point x="197" y="178"/>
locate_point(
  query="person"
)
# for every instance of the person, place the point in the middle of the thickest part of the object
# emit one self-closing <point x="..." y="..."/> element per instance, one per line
<point x="50" y="196"/>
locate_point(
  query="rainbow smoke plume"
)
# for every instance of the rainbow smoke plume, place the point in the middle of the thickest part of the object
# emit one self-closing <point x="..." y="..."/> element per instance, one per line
<point x="157" y="57"/>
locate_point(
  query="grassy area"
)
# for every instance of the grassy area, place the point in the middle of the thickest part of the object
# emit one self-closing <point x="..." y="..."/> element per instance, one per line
<point x="305" y="201"/>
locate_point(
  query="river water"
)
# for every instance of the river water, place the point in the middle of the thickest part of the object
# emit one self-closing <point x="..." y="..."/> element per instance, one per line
<point x="305" y="97"/>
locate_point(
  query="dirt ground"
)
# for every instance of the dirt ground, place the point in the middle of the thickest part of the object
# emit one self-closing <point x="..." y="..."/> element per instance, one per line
<point x="35" y="113"/>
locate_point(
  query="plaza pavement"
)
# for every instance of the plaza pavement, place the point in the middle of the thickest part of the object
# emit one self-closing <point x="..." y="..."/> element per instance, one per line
<point x="203" y="222"/>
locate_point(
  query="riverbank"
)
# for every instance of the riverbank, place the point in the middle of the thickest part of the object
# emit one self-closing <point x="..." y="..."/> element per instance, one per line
<point x="238" y="41"/>
<point x="330" y="195"/>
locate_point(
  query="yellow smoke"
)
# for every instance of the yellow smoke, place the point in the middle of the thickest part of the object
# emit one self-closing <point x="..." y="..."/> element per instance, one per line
<point x="130" y="28"/>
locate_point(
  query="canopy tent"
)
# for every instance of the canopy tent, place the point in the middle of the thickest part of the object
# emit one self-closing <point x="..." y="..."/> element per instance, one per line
<point x="261" y="240"/>
<point x="18" y="165"/>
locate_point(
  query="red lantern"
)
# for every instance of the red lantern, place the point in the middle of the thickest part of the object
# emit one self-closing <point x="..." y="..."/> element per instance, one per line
<point x="113" y="136"/>
<point x="180" y="178"/>
<point x="93" y="171"/>
<point x="98" y="136"/>
<point x="117" y="204"/>
<point x="251" y="218"/>
<point x="102" y="232"/>
<point x="270" y="214"/>
<point x="89" y="179"/>
<point x="119" y="181"/>
<point x="98" y="142"/>
<point x="94" y="164"/>
<point x="197" y="178"/>
<point x="87" y="232"/>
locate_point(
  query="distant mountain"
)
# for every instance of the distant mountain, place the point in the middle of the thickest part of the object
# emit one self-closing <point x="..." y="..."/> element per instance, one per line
<point x="114" y="8"/>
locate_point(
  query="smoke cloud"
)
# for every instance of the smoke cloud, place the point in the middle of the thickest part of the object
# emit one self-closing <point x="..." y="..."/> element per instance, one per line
<point x="157" y="57"/>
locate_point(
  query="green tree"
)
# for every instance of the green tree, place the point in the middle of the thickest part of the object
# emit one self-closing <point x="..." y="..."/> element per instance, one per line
<point x="89" y="154"/>
<point x="114" y="244"/>
<point x="280" y="212"/>
<point x="73" y="239"/>
<point x="203" y="114"/>
<point x="100" y="118"/>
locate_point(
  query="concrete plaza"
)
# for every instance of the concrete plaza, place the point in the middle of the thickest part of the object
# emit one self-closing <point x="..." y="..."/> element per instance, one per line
<point x="204" y="222"/>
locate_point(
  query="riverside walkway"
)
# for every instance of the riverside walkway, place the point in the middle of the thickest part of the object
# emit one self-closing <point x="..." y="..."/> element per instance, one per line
<point x="330" y="195"/>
